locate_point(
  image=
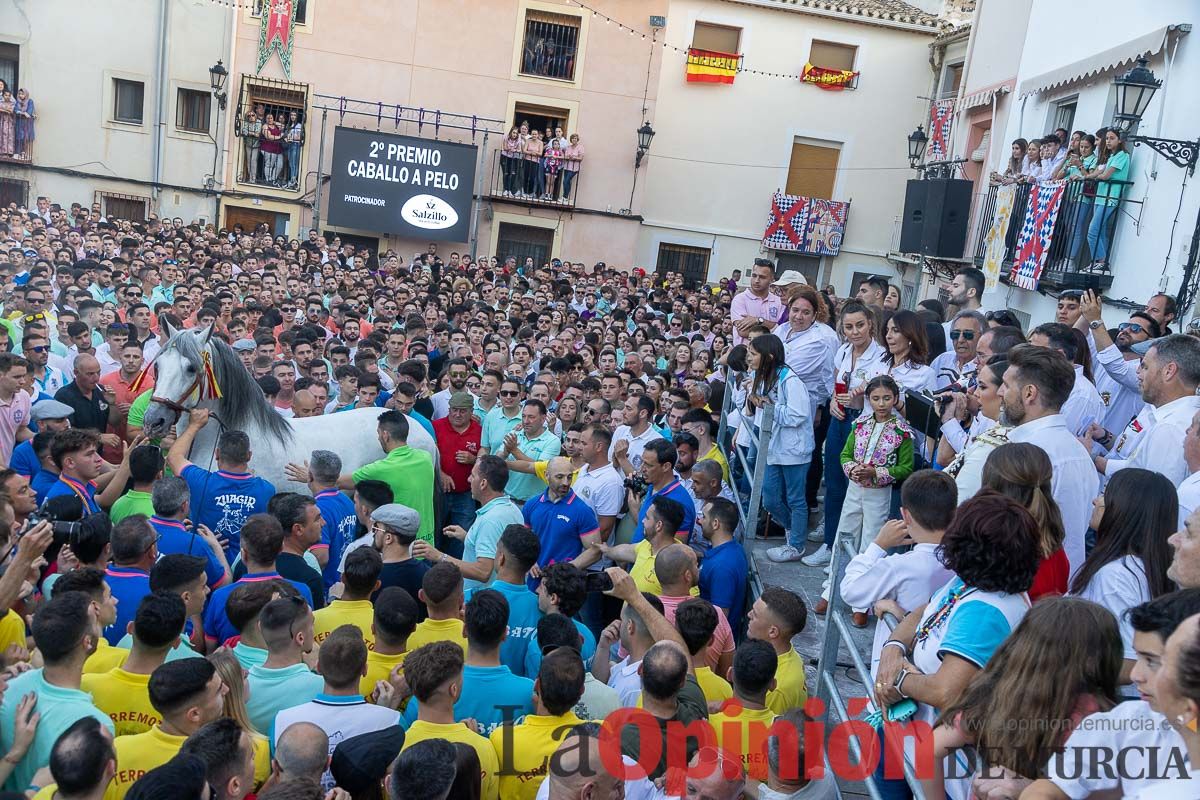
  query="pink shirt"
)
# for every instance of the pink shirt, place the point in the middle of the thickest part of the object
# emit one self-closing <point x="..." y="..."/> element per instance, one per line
<point x="14" y="415"/>
<point x="745" y="304"/>
<point x="722" y="641"/>
<point x="574" y="154"/>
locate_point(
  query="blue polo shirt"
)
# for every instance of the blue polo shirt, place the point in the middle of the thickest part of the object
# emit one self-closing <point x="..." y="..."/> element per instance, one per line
<point x="490" y="695"/>
<point x="723" y="579"/>
<point x="41" y="484"/>
<point x="217" y="626"/>
<point x="174" y="538"/>
<point x="223" y="501"/>
<point x="523" y="616"/>
<point x="128" y="586"/>
<point x="676" y="491"/>
<point x="84" y="491"/>
<point x="559" y="526"/>
<point x="339" y="530"/>
<point x="24" y="460"/>
<point x="533" y="653"/>
<point x="425" y="423"/>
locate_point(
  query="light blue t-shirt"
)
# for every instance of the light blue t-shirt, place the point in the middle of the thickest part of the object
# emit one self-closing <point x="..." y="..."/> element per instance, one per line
<point x="522" y="486"/>
<point x="249" y="656"/>
<point x="491" y="696"/>
<point x="272" y="690"/>
<point x="495" y="427"/>
<point x="60" y="708"/>
<point x="179" y="651"/>
<point x="490" y="521"/>
<point x="523" y="616"/>
<point x="533" y="653"/>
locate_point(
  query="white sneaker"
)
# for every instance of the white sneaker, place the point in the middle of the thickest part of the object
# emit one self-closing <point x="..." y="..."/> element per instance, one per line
<point x="817" y="534"/>
<point x="784" y="553"/>
<point x="817" y="558"/>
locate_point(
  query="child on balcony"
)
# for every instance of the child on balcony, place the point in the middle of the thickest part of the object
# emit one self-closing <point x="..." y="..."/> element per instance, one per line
<point x="553" y="162"/>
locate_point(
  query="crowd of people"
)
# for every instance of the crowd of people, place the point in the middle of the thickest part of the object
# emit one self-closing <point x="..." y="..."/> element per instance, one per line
<point x="540" y="165"/>
<point x="559" y="583"/>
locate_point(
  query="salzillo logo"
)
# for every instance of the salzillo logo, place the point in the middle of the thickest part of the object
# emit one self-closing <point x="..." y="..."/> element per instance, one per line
<point x="427" y="211"/>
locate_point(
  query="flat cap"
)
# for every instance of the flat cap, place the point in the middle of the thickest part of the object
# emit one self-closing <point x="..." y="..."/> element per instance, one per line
<point x="399" y="518"/>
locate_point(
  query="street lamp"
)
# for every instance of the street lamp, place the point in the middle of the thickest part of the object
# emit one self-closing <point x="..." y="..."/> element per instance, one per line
<point x="1135" y="90"/>
<point x="645" y="136"/>
<point x="917" y="141"/>
<point x="217" y="76"/>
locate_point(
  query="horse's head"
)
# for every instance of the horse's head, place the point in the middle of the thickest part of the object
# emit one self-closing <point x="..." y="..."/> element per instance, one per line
<point x="179" y="377"/>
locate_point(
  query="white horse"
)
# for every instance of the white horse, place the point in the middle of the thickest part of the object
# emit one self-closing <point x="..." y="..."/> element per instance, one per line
<point x="182" y="384"/>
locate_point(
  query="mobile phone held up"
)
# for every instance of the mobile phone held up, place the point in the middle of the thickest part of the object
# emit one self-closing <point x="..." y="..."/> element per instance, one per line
<point x="597" y="582"/>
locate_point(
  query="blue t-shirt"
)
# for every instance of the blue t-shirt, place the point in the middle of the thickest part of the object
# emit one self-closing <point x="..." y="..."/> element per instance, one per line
<point x="339" y="530"/>
<point x="128" y="586"/>
<point x="24" y="461"/>
<point x="223" y="501"/>
<point x="523" y="616"/>
<point x="723" y="579"/>
<point x="272" y="690"/>
<point x="41" y="484"/>
<point x="174" y="538"/>
<point x="425" y="423"/>
<point x="676" y="491"/>
<point x="559" y="526"/>
<point x="533" y="653"/>
<point x="84" y="491"/>
<point x="490" y="695"/>
<point x="217" y="626"/>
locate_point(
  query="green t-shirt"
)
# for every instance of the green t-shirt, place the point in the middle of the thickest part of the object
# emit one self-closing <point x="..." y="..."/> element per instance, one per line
<point x="130" y="503"/>
<point x="137" y="409"/>
<point x="1107" y="193"/>
<point x="409" y="471"/>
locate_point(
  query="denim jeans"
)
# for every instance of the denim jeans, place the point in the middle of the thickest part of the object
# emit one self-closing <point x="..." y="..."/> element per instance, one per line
<point x="539" y="179"/>
<point x="292" y="151"/>
<point x="1100" y="230"/>
<point x="511" y="167"/>
<point x="783" y="498"/>
<point x="568" y="177"/>
<point x="459" y="510"/>
<point x="530" y="175"/>
<point x="1083" y="215"/>
<point x="835" y="480"/>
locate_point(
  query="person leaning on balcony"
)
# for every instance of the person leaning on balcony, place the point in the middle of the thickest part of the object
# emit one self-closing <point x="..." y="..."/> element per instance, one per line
<point x="533" y="157"/>
<point x="1073" y="169"/>
<point x="1015" y="165"/>
<point x="1032" y="163"/>
<point x="251" y="133"/>
<point x="510" y="161"/>
<point x="572" y="158"/>
<point x="1108" y="195"/>
<point x="272" y="150"/>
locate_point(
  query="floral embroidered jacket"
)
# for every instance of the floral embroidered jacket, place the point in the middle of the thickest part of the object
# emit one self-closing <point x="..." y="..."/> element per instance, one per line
<point x="887" y="446"/>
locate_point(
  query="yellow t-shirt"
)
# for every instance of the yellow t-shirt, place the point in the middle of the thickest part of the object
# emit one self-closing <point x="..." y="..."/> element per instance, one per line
<point x="46" y="792"/>
<point x="716" y="455"/>
<point x="459" y="732"/>
<point x="358" y="613"/>
<point x="745" y="734"/>
<point x="12" y="630"/>
<point x="438" y="630"/>
<point x="790" y="689"/>
<point x="713" y="685"/>
<point x="262" y="759"/>
<point x="137" y="755"/>
<point x="379" y="667"/>
<point x="540" y="467"/>
<point x="525" y="750"/>
<point x="106" y="658"/>
<point x="124" y="696"/>
<point x="643" y="570"/>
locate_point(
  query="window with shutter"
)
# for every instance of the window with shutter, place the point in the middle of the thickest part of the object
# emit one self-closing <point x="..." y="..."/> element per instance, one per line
<point x="832" y="55"/>
<point x="551" y="45"/>
<point x="812" y="170"/>
<point x="719" y="38"/>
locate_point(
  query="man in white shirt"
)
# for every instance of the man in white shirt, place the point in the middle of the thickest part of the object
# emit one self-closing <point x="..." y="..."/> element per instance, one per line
<point x="966" y="293"/>
<point x="597" y="482"/>
<point x="635" y="638"/>
<point x="959" y="362"/>
<point x="1036" y="385"/>
<point x="1084" y="405"/>
<point x="1189" y="490"/>
<point x="458" y="371"/>
<point x="1170" y="373"/>
<point x="1053" y="155"/>
<point x="630" y="440"/>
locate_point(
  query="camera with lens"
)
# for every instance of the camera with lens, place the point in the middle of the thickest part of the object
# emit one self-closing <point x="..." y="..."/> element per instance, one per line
<point x="636" y="483"/>
<point x="67" y="519"/>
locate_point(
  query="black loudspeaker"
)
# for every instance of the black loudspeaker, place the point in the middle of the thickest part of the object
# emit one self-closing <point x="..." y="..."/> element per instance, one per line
<point x="936" y="217"/>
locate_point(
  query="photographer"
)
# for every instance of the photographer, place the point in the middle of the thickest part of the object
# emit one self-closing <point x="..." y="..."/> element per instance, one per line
<point x="658" y="479"/>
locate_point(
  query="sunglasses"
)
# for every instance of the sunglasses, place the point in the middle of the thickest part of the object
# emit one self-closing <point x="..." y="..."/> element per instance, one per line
<point x="41" y="348"/>
<point x="38" y="317"/>
<point x="968" y="335"/>
<point x="509" y="394"/>
<point x="1132" y="327"/>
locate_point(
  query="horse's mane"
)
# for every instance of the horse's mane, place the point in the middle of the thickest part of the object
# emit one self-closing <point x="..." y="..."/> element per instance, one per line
<point x="242" y="401"/>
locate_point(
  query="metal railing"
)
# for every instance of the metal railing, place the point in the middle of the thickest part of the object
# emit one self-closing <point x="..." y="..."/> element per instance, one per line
<point x="549" y="49"/>
<point x="1084" y="230"/>
<point x="522" y="181"/>
<point x="748" y="512"/>
<point x="837" y="632"/>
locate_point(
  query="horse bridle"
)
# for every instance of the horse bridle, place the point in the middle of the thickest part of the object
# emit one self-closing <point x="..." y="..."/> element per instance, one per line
<point x="177" y="405"/>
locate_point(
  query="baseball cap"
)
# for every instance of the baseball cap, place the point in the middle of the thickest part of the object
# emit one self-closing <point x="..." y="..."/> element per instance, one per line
<point x="790" y="277"/>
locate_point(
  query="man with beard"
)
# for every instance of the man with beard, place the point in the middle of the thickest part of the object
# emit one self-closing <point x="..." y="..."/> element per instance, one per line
<point x="965" y="292"/>
<point x="1036" y="385"/>
<point x="458" y="370"/>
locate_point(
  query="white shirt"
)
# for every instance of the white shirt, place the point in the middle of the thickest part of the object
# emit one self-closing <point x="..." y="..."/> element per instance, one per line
<point x="637" y="444"/>
<point x="339" y="717"/>
<point x="1119" y="586"/>
<point x="598" y="700"/>
<point x="441" y="404"/>
<point x="602" y="489"/>
<point x="810" y="355"/>
<point x="958" y="439"/>
<point x="625" y="679"/>
<point x="1117" y="381"/>
<point x="108" y="364"/>
<point x="1189" y="497"/>
<point x="908" y="578"/>
<point x="1075" y="483"/>
<point x="822" y="788"/>
<point x="151" y="349"/>
<point x="1118" y="458"/>
<point x="1084" y="406"/>
<point x="947" y="370"/>
<point x="1161" y="448"/>
<point x="858" y="372"/>
<point x="913" y="377"/>
<point x="1135" y="730"/>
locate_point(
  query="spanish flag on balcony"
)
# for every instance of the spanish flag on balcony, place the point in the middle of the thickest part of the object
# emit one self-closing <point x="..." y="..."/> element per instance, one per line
<point x="709" y="66"/>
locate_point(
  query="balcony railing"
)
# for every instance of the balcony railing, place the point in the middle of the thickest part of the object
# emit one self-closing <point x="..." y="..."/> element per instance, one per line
<point x="1084" y="233"/>
<point x="518" y="180"/>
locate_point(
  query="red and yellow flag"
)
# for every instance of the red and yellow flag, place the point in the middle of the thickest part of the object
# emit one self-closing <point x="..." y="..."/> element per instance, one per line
<point x="710" y="66"/>
<point x="834" y="80"/>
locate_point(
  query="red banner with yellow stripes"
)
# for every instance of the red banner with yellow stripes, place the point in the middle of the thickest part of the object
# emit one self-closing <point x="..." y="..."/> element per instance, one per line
<point x="710" y="66"/>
